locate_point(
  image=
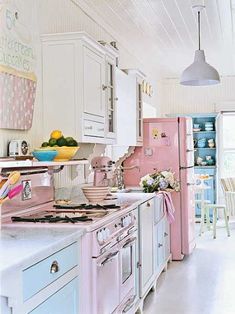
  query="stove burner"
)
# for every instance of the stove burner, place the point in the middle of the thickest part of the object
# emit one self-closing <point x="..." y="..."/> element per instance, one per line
<point x="51" y="219"/>
<point x="87" y="206"/>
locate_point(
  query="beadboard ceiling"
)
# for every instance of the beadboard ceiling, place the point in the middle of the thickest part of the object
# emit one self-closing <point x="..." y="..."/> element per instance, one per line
<point x="164" y="32"/>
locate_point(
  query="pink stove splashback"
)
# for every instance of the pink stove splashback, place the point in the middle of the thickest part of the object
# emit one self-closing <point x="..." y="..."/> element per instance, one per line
<point x="38" y="189"/>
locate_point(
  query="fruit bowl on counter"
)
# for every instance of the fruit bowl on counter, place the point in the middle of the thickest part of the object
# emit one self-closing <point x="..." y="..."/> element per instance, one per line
<point x="66" y="147"/>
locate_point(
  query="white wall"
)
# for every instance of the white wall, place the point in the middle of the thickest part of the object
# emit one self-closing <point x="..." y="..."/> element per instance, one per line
<point x="184" y="99"/>
<point x="51" y="16"/>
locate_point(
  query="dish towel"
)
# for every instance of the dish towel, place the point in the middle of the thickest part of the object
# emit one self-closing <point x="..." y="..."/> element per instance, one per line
<point x="168" y="206"/>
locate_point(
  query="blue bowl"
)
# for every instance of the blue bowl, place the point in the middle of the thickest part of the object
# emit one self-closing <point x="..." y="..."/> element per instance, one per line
<point x="45" y="155"/>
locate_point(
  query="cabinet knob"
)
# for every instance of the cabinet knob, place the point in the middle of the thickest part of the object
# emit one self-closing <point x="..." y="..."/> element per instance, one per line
<point x="116" y="98"/>
<point x="160" y="245"/>
<point x="54" y="267"/>
<point x="165" y="234"/>
<point x="148" y="204"/>
<point x="104" y="87"/>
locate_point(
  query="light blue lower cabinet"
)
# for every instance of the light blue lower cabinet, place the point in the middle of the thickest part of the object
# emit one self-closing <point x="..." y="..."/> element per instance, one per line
<point x="159" y="245"/>
<point x="64" y="301"/>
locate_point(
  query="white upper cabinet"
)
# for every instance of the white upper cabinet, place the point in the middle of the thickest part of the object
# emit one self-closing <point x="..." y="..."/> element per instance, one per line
<point x="94" y="79"/>
<point x="59" y="90"/>
<point x="78" y="88"/>
<point x="129" y="107"/>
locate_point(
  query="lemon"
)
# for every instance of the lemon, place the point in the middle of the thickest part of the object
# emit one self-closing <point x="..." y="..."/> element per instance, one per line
<point x="56" y="134"/>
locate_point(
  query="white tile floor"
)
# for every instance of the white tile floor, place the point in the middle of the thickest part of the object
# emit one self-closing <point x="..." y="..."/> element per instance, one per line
<point x="204" y="283"/>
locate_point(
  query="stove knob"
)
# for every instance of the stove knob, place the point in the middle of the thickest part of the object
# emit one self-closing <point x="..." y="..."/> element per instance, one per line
<point x="104" y="234"/>
<point x="125" y="222"/>
<point x="107" y="232"/>
<point x="100" y="236"/>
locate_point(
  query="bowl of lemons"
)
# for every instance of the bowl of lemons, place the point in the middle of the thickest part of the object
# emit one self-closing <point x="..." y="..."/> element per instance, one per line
<point x="66" y="147"/>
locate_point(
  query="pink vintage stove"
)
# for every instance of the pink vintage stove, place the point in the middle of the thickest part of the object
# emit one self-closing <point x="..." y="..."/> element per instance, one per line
<point x="108" y="248"/>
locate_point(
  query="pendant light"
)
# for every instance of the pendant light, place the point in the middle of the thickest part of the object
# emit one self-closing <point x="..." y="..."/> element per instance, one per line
<point x="199" y="73"/>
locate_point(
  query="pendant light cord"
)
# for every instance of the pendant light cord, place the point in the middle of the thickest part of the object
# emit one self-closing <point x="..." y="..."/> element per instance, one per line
<point x="199" y="29"/>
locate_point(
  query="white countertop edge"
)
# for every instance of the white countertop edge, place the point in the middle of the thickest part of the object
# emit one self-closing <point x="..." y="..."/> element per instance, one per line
<point x="22" y="262"/>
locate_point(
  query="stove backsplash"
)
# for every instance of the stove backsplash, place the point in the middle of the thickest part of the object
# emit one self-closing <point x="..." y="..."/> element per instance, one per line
<point x="38" y="189"/>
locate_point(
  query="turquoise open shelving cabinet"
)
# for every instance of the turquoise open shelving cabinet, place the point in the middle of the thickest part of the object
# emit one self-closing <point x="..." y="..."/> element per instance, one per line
<point x="202" y="152"/>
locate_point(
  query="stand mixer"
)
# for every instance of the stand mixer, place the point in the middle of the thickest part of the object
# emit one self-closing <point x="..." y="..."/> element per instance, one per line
<point x="103" y="170"/>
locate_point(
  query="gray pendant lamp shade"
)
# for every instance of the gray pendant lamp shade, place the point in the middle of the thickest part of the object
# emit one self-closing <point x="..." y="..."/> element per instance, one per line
<point x="199" y="73"/>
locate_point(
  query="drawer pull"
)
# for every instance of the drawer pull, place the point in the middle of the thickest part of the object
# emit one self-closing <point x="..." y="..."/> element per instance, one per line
<point x="160" y="245"/>
<point x="101" y="129"/>
<point x="88" y="128"/>
<point x="54" y="267"/>
<point x="165" y="234"/>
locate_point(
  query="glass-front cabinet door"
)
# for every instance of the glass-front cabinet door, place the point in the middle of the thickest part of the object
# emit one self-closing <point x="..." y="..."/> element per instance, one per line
<point x="110" y="98"/>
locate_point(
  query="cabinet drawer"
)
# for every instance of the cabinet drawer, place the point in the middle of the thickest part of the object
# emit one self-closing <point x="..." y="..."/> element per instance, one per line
<point x="63" y="301"/>
<point x="40" y="275"/>
<point x="93" y="128"/>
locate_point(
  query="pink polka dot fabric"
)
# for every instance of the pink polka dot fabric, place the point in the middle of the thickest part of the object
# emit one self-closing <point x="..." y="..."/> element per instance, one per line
<point x="17" y="96"/>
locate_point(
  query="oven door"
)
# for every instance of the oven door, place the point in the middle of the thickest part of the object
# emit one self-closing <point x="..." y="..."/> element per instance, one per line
<point x="127" y="265"/>
<point x="107" y="280"/>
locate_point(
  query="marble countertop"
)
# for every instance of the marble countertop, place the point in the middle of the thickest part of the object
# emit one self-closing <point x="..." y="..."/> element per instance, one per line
<point x="22" y="246"/>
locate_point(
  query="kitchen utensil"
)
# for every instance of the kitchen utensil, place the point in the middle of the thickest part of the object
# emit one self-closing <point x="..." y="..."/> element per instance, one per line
<point x="12" y="179"/>
<point x="199" y="160"/>
<point x="45" y="155"/>
<point x="196" y="125"/>
<point x="18" y="148"/>
<point x="210" y="162"/>
<point x="211" y="143"/>
<point x="12" y="193"/>
<point x="95" y="194"/>
<point x="201" y="143"/>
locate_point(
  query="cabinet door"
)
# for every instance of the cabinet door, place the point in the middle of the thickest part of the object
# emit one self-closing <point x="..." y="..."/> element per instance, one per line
<point x="139" y="113"/>
<point x="59" y="88"/>
<point x="166" y="239"/>
<point x="146" y="244"/>
<point x="64" y="301"/>
<point x="94" y="79"/>
<point x="110" y="97"/>
<point x="159" y="245"/>
<point x="126" y="109"/>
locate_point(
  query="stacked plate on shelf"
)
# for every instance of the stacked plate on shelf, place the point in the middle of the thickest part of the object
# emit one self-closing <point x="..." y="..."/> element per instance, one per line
<point x="209" y="126"/>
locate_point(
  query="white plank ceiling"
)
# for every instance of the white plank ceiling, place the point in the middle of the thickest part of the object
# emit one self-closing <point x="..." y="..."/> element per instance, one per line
<point x="164" y="32"/>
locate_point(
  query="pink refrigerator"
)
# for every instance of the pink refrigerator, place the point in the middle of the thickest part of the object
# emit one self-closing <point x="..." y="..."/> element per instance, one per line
<point x="168" y="144"/>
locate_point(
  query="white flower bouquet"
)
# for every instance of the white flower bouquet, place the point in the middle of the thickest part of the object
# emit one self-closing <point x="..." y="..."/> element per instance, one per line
<point x="160" y="181"/>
